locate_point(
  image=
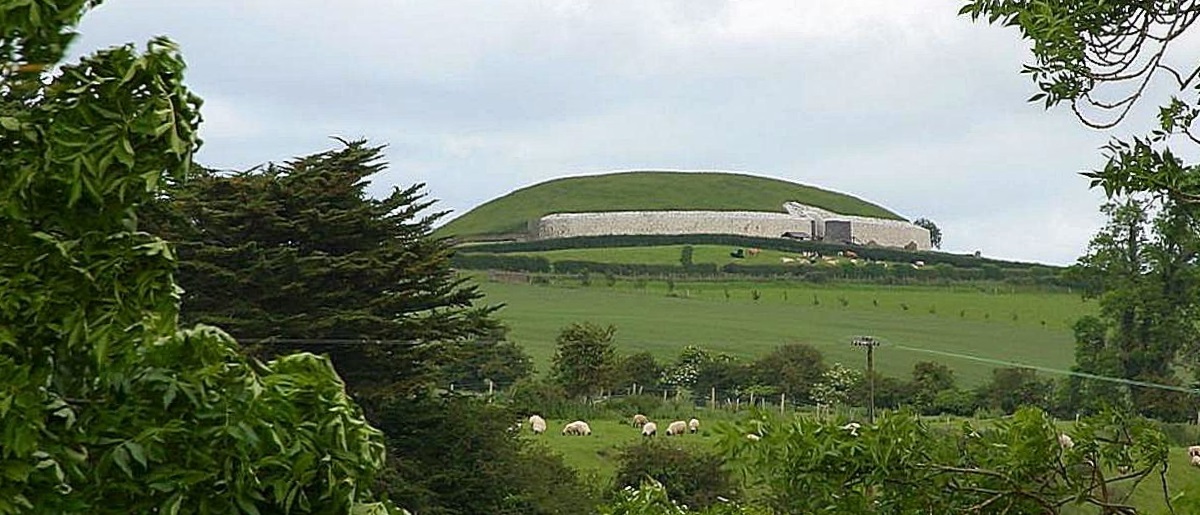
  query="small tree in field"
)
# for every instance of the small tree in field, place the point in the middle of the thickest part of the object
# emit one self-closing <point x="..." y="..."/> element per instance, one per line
<point x="585" y="359"/>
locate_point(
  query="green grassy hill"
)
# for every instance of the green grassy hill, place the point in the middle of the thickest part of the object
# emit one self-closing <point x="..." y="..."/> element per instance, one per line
<point x="630" y="191"/>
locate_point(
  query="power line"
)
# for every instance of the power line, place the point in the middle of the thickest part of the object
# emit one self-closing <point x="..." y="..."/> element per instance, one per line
<point x="1130" y="382"/>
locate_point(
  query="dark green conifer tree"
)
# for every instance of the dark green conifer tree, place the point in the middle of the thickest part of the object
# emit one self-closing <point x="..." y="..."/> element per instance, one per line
<point x="298" y="256"/>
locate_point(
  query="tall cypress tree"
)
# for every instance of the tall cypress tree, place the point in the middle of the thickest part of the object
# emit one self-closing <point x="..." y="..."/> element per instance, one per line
<point x="298" y="256"/>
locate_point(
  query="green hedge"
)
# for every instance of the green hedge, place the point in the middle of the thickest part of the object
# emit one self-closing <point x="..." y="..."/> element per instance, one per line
<point x="479" y="261"/>
<point x="873" y="253"/>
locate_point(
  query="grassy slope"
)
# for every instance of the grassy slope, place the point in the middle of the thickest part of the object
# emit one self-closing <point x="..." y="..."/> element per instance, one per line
<point x="964" y="321"/>
<point x="649" y="191"/>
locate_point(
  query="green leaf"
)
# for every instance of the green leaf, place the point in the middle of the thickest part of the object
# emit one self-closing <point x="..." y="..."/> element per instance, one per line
<point x="121" y="457"/>
<point x="10" y="123"/>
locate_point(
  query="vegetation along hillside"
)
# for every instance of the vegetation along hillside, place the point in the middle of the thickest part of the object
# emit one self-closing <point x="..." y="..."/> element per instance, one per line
<point x="632" y="191"/>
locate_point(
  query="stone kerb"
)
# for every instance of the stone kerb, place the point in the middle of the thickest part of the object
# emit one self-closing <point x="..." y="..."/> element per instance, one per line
<point x="798" y="218"/>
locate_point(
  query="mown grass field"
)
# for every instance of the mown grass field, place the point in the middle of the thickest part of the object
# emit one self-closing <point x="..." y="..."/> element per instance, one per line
<point x="969" y="329"/>
<point x="595" y="457"/>
<point x="638" y="191"/>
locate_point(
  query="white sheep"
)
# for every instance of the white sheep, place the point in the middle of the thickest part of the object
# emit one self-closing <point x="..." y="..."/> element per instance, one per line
<point x="577" y="428"/>
<point x="649" y="429"/>
<point x="693" y="425"/>
<point x="1196" y="461"/>
<point x="1193" y="451"/>
<point x="640" y="420"/>
<point x="1065" y="441"/>
<point x="537" y="424"/>
<point x="677" y="427"/>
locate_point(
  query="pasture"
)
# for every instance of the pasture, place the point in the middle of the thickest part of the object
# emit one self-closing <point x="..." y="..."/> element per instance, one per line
<point x="970" y="329"/>
<point x="595" y="456"/>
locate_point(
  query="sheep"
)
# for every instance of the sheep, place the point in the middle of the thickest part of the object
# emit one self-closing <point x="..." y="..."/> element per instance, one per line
<point x="537" y="424"/>
<point x="1065" y="441"/>
<point x="1196" y="461"/>
<point x="649" y="429"/>
<point x="577" y="428"/>
<point x="1193" y="451"/>
<point x="693" y="426"/>
<point x="677" y="427"/>
<point x="640" y="420"/>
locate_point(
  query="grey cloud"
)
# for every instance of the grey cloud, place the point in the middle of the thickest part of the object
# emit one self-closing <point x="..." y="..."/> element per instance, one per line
<point x="902" y="103"/>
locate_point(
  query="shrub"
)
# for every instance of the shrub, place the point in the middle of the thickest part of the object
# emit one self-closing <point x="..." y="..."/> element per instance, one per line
<point x="692" y="478"/>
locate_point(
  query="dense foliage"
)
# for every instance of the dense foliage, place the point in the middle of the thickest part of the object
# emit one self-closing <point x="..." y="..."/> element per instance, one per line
<point x="107" y="405"/>
<point x="460" y="456"/>
<point x="585" y="359"/>
<point x="903" y="466"/>
<point x="692" y="477"/>
<point x="298" y="256"/>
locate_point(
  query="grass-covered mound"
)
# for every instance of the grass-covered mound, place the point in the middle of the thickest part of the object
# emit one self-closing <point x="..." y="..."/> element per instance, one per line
<point x="648" y="191"/>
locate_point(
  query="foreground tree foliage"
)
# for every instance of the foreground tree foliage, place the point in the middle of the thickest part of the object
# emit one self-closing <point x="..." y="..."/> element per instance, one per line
<point x="106" y="405"/>
<point x="1099" y="57"/>
<point x="903" y="466"/>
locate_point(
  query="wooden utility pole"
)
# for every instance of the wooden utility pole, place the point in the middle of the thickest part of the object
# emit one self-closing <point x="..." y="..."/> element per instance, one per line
<point x="870" y="343"/>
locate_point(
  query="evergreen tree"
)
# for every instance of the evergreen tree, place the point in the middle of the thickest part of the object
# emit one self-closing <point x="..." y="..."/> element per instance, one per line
<point x="299" y="256"/>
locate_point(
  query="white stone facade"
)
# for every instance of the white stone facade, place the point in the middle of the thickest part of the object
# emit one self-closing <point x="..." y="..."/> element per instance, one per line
<point x="746" y="223"/>
<point x="798" y="218"/>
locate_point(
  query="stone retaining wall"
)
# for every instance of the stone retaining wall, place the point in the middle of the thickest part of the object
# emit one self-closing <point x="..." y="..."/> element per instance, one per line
<point x="799" y="218"/>
<point x="748" y="223"/>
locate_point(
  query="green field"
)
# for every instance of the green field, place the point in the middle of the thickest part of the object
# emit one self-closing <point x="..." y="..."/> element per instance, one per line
<point x="649" y="191"/>
<point x="595" y="456"/>
<point x="970" y="329"/>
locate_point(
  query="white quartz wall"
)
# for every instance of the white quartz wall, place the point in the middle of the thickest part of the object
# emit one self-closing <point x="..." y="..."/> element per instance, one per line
<point x="747" y="223"/>
<point x="888" y="233"/>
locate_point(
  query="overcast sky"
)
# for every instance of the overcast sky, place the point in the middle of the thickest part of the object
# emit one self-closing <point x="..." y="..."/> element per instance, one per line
<point x="902" y="103"/>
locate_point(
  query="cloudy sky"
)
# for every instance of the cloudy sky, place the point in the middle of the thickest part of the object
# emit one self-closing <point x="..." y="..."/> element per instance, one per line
<point x="899" y="102"/>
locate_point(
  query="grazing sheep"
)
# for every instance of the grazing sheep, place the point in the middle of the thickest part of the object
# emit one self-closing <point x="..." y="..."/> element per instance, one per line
<point x="1194" y="451"/>
<point x="537" y="424"/>
<point x="640" y="420"/>
<point x="1065" y="441"/>
<point x="677" y="427"/>
<point x="693" y="425"/>
<point x="649" y="429"/>
<point x="852" y="428"/>
<point x="577" y="428"/>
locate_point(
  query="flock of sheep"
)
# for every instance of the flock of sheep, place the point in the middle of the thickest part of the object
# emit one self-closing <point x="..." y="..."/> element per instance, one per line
<point x="537" y="424"/>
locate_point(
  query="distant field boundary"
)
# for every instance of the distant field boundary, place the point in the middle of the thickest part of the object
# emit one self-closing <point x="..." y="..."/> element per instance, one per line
<point x="784" y="245"/>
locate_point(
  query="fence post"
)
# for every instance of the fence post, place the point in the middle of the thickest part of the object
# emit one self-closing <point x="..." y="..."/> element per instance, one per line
<point x="713" y="396"/>
<point x="491" y="387"/>
<point x="782" y="397"/>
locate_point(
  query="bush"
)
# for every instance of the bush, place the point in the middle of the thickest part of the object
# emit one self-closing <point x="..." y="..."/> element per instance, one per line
<point x="437" y="445"/>
<point x="692" y="478"/>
